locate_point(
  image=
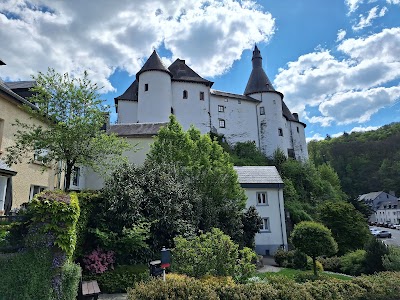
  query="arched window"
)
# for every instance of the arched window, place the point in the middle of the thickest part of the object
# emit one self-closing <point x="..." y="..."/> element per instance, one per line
<point x="185" y="94"/>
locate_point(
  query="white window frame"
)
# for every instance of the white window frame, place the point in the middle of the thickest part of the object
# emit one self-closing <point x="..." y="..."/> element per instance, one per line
<point x="221" y="108"/>
<point x="221" y="123"/>
<point x="3" y="191"/>
<point x="38" y="188"/>
<point x="39" y="155"/>
<point x="262" y="198"/>
<point x="265" y="226"/>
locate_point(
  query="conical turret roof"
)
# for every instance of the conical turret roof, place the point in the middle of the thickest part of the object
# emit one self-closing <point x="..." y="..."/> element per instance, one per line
<point x="154" y="63"/>
<point x="258" y="81"/>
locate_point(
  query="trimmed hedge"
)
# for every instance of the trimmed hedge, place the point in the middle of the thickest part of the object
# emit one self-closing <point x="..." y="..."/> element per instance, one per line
<point x="382" y="286"/>
<point x="120" y="279"/>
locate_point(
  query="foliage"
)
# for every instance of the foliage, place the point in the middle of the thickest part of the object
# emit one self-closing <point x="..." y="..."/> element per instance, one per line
<point x="377" y="287"/>
<point x="310" y="265"/>
<point x="314" y="239"/>
<point x="391" y="261"/>
<point x="208" y="166"/>
<point x="70" y="277"/>
<point x="348" y="226"/>
<point x="332" y="264"/>
<point x="120" y="278"/>
<point x="365" y="161"/>
<point x="74" y="116"/>
<point x="375" y="251"/>
<point x="353" y="263"/>
<point x="56" y="213"/>
<point x="212" y="253"/>
<point x="247" y="154"/>
<point x="291" y="259"/>
<point x="99" y="261"/>
<point x="251" y="225"/>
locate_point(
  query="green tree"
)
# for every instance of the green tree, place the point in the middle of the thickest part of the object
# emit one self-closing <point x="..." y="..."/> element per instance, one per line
<point x="391" y="261"/>
<point x="349" y="227"/>
<point x="197" y="157"/>
<point x="375" y="251"/>
<point x="74" y="116"/>
<point x="251" y="225"/>
<point x="314" y="239"/>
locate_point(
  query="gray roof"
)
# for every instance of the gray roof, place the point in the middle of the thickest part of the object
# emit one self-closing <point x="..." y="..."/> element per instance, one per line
<point x="258" y="81"/>
<point x="386" y="203"/>
<point x="20" y="84"/>
<point x="5" y="89"/>
<point x="154" y="63"/>
<point x="231" y="95"/>
<point x="5" y="169"/>
<point x="131" y="94"/>
<point x="181" y="72"/>
<point x="258" y="175"/>
<point x="370" y="196"/>
<point x="2" y="63"/>
<point x="136" y="129"/>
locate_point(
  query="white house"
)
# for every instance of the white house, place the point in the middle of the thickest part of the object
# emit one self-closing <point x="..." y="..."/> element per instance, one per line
<point x="374" y="201"/>
<point x="259" y="115"/>
<point x="264" y="190"/>
<point x="388" y="212"/>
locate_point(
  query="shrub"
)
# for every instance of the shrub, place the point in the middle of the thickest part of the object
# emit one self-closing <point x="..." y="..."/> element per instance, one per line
<point x="70" y="277"/>
<point x="281" y="257"/>
<point x="99" y="261"/>
<point x="330" y="263"/>
<point x="308" y="276"/>
<point x="299" y="260"/>
<point x="375" y="250"/>
<point x="381" y="286"/>
<point x="391" y="261"/>
<point x="245" y="267"/>
<point x="121" y="278"/>
<point x="310" y="266"/>
<point x="353" y="263"/>
<point x="291" y="259"/>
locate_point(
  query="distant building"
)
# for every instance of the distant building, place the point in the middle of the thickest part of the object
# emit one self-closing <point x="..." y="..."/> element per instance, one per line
<point x="375" y="199"/>
<point x="264" y="190"/>
<point x="388" y="212"/>
<point x="259" y="115"/>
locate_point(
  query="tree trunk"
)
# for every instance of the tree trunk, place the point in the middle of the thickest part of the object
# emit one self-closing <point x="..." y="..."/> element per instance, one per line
<point x="68" y="172"/>
<point x="314" y="260"/>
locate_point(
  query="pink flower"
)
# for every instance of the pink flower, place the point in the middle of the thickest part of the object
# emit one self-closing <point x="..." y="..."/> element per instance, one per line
<point x="99" y="261"/>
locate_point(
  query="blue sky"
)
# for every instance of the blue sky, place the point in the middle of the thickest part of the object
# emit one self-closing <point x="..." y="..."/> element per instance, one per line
<point x="336" y="62"/>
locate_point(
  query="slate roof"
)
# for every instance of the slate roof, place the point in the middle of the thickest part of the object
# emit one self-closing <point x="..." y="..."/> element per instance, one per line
<point x="181" y="72"/>
<point x="231" y="95"/>
<point x="154" y="63"/>
<point x="369" y="196"/>
<point x="258" y="175"/>
<point x="136" y="129"/>
<point x="258" y="81"/>
<point x="20" y="84"/>
<point x="5" y="89"/>
<point x="386" y="203"/>
<point x="5" y="169"/>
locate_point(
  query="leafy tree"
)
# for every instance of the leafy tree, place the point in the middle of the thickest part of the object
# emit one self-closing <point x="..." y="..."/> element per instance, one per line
<point x="391" y="261"/>
<point x="314" y="239"/>
<point x="375" y="251"/>
<point x="74" y="116"/>
<point x="349" y="227"/>
<point x="251" y="225"/>
<point x="208" y="166"/>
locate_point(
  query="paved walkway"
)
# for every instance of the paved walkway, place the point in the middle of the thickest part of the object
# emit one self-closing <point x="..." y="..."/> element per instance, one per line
<point x="112" y="296"/>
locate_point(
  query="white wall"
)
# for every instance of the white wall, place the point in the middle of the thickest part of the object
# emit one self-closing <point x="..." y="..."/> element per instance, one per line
<point x="272" y="240"/>
<point x="154" y="105"/>
<point x="240" y="119"/>
<point x="299" y="141"/>
<point x="3" y="187"/>
<point x="127" y="112"/>
<point x="191" y="110"/>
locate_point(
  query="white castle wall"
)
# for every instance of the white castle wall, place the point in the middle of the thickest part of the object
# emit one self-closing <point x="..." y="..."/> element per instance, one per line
<point x="299" y="141"/>
<point x="155" y="104"/>
<point x="127" y="112"/>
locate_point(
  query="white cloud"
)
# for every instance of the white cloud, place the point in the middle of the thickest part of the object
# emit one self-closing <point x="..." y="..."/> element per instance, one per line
<point x="364" y="129"/>
<point x="340" y="35"/>
<point x="346" y="90"/>
<point x="315" y="137"/>
<point x="393" y="1"/>
<point x="353" y="4"/>
<point x="366" y="21"/>
<point x="101" y="36"/>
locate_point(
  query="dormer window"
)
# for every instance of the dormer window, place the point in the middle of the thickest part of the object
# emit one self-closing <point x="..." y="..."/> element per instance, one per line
<point x="146" y="87"/>
<point x="185" y="94"/>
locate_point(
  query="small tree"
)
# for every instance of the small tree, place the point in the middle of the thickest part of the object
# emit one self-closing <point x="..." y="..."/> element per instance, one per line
<point x="314" y="239"/>
<point x="375" y="251"/>
<point x="74" y="116"/>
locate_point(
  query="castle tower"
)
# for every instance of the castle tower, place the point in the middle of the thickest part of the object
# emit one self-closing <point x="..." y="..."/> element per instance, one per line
<point x="154" y="91"/>
<point x="271" y="128"/>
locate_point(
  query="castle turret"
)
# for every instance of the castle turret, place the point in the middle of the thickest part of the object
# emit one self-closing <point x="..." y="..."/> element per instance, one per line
<point x="154" y="91"/>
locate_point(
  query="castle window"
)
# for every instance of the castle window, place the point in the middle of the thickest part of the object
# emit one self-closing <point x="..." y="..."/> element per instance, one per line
<point x="239" y="102"/>
<point x="262" y="199"/>
<point x="265" y="225"/>
<point x="185" y="94"/>
<point x="146" y="87"/>
<point x="298" y="129"/>
<point x="221" y="108"/>
<point x="201" y="95"/>
<point x="262" y="110"/>
<point x="221" y="123"/>
<point x="280" y="132"/>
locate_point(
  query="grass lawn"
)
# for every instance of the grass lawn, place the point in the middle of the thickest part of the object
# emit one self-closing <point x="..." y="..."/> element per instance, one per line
<point x="291" y="273"/>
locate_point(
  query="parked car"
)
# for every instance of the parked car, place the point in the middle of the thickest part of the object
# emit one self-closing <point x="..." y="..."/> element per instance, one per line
<point x="397" y="226"/>
<point x="384" y="234"/>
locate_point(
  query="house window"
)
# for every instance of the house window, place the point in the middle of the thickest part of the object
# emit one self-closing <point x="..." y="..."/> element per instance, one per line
<point x="201" y="95"/>
<point x="185" y="94"/>
<point x="3" y="188"/>
<point x="221" y="123"/>
<point x="40" y="155"/>
<point x="146" y="87"/>
<point x="262" y="110"/>
<point x="262" y="198"/>
<point x="221" y="108"/>
<point x="76" y="173"/>
<point x="36" y="189"/>
<point x="280" y="132"/>
<point x="265" y="225"/>
<point x="1" y="131"/>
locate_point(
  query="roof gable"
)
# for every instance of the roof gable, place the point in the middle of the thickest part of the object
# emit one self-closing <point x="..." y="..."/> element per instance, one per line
<point x="182" y="72"/>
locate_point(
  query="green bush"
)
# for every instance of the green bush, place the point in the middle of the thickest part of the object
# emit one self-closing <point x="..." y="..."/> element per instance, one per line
<point x="375" y="251"/>
<point x="281" y="257"/>
<point x="26" y="275"/>
<point x="308" y="276"/>
<point x="353" y="263"/>
<point x="70" y="277"/>
<point x="381" y="286"/>
<point x="330" y="263"/>
<point x="120" y="279"/>
<point x="293" y="259"/>
<point x="320" y="268"/>
<point x="391" y="261"/>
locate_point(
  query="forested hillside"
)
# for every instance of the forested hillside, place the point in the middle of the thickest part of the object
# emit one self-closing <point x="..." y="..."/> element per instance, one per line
<point x="365" y="162"/>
